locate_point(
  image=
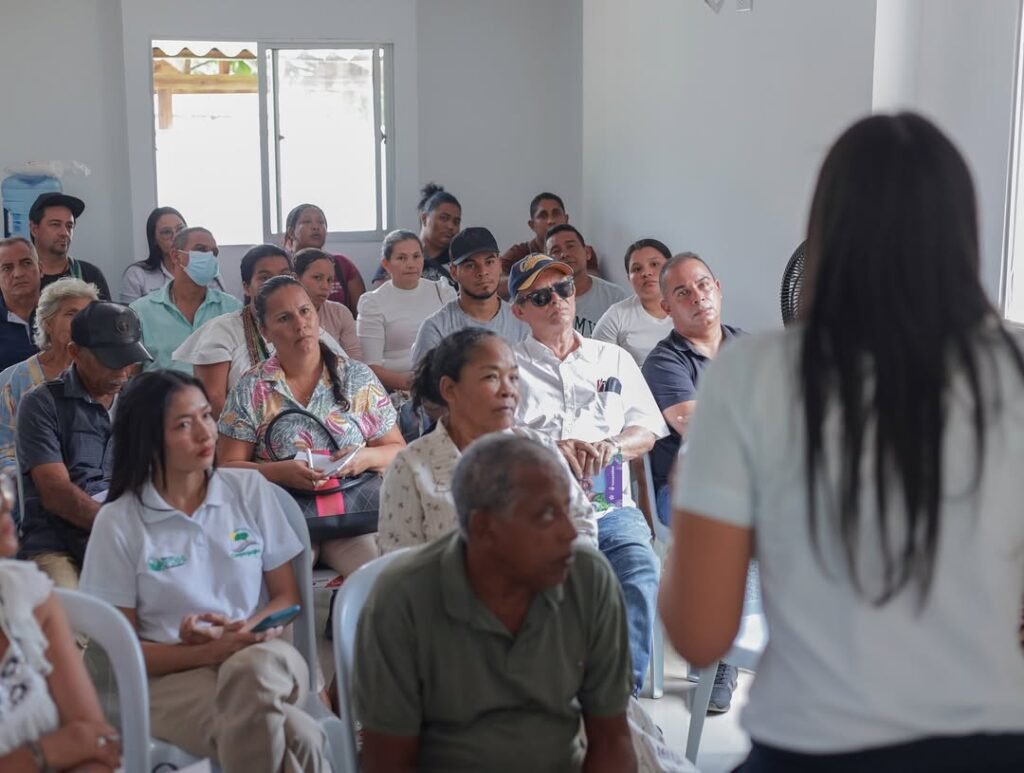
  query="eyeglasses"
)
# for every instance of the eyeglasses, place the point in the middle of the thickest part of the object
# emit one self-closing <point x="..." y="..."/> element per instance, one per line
<point x="542" y="297"/>
<point x="167" y="233"/>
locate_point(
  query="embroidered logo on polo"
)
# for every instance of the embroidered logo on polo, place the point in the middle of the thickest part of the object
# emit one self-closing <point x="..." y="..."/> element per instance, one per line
<point x="242" y="544"/>
<point x="163" y="563"/>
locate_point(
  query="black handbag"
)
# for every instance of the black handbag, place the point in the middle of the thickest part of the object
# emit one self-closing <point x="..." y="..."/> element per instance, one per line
<point x="343" y="507"/>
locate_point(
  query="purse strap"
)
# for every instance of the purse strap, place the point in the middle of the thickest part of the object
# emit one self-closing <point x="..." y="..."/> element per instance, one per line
<point x="292" y="412"/>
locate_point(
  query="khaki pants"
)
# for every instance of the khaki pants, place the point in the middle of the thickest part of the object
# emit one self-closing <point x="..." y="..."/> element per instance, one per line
<point x="244" y="713"/>
<point x="346" y="555"/>
<point x="59" y="567"/>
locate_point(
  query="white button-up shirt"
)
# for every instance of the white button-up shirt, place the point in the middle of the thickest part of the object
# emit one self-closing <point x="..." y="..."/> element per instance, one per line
<point x="594" y="393"/>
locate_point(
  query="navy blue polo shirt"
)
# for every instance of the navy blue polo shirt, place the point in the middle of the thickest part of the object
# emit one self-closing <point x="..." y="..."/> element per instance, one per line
<point x="61" y="423"/>
<point x="16" y="344"/>
<point x="672" y="370"/>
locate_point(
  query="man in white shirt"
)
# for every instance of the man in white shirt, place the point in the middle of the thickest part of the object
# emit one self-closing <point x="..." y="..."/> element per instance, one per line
<point x="593" y="294"/>
<point x="590" y="397"/>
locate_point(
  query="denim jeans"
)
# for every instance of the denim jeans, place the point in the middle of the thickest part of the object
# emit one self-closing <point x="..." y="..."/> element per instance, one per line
<point x="663" y="501"/>
<point x="625" y="539"/>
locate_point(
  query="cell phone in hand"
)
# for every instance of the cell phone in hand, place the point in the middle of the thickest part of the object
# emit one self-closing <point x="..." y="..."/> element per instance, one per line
<point x="279" y="618"/>
<point x="334" y="468"/>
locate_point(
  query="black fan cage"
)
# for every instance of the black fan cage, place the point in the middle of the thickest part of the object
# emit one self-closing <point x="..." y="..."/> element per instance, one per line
<point x="792" y="279"/>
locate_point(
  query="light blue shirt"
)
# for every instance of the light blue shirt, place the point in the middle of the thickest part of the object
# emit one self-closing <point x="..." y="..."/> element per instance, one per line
<point x="451" y="317"/>
<point x="164" y="327"/>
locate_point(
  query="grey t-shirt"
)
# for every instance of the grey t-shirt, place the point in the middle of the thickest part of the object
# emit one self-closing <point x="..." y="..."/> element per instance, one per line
<point x="591" y="306"/>
<point x="451" y="317"/>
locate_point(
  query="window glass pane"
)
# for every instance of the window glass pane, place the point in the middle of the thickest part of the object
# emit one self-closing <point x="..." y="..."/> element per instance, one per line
<point x="206" y="110"/>
<point x="326" y="129"/>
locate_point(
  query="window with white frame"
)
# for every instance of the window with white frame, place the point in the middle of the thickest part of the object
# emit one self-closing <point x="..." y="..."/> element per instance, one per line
<point x="247" y="130"/>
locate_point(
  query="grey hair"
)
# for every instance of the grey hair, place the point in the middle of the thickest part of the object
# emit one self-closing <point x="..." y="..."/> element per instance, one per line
<point x="674" y="261"/>
<point x="484" y="478"/>
<point x="50" y="300"/>
<point x="394" y="238"/>
<point x="10" y="241"/>
<point x="181" y="238"/>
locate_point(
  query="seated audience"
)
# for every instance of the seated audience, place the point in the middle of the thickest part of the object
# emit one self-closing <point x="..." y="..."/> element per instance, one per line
<point x="19" y="295"/>
<point x="390" y="316"/>
<point x="179" y="308"/>
<point x="473" y="374"/>
<point x="693" y="298"/>
<point x="870" y="460"/>
<point x="305" y="373"/>
<point x="195" y="557"/>
<point x="58" y="304"/>
<point x="639" y="322"/>
<point x="477" y="270"/>
<point x="487" y="648"/>
<point x="63" y="438"/>
<point x="52" y="221"/>
<point x="315" y="270"/>
<point x="146" y="276"/>
<point x="593" y="295"/>
<point x="305" y="228"/>
<point x="590" y="397"/>
<point x="51" y="716"/>
<point x="440" y="218"/>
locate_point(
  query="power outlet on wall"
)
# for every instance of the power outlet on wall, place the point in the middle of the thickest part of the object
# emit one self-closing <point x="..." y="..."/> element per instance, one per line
<point x="744" y="5"/>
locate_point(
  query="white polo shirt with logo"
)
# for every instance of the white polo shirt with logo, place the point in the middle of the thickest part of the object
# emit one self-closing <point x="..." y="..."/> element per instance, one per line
<point x="145" y="555"/>
<point x="594" y="393"/>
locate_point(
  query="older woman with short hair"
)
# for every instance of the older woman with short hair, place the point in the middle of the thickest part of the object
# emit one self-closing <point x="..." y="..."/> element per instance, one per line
<point x="58" y="304"/>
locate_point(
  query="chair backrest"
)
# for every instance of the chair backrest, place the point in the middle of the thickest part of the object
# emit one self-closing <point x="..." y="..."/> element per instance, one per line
<point x="304" y="627"/>
<point x="111" y="630"/>
<point x="348" y="605"/>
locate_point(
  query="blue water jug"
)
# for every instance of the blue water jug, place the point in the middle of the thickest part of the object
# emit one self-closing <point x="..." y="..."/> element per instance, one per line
<point x="19" y="192"/>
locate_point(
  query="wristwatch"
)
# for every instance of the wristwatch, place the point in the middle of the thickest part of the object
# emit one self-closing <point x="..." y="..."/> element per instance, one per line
<point x="39" y="758"/>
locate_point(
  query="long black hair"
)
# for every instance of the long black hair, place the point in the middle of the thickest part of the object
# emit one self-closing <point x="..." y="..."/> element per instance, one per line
<point x="138" y="429"/>
<point x="639" y="244"/>
<point x="448" y="358"/>
<point x="331" y="360"/>
<point x="893" y="306"/>
<point x="156" y="257"/>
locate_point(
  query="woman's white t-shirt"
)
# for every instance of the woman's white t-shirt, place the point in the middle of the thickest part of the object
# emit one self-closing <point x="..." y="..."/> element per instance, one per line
<point x="628" y="324"/>
<point x="841" y="673"/>
<point x="389" y="319"/>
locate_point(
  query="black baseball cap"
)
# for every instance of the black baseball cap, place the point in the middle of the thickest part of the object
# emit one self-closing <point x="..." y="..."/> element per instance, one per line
<point x="112" y="332"/>
<point x="75" y="204"/>
<point x="469" y="242"/>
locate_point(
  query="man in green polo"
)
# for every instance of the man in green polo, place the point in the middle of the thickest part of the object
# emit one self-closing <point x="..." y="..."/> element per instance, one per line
<point x="484" y="649"/>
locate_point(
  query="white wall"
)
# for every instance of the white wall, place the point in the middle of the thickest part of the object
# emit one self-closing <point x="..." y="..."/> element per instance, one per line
<point x="707" y="130"/>
<point x="500" y="106"/>
<point x="64" y="101"/>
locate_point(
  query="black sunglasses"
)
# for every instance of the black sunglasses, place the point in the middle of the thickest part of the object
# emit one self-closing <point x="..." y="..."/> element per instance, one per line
<point x="542" y="297"/>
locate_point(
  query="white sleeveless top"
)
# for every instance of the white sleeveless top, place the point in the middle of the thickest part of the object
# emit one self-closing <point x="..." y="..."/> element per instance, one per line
<point x="27" y="711"/>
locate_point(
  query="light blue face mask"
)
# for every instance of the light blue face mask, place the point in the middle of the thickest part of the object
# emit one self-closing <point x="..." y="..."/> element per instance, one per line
<point x="202" y="267"/>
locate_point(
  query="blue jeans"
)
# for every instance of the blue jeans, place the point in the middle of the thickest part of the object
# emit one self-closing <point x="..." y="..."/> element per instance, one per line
<point x="663" y="501"/>
<point x="625" y="539"/>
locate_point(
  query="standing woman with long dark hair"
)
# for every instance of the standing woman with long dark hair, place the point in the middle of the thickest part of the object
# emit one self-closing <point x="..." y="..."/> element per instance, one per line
<point x="870" y="459"/>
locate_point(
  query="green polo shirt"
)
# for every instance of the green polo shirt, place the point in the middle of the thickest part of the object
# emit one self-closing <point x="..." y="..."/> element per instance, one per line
<point x="164" y="327"/>
<point x="433" y="661"/>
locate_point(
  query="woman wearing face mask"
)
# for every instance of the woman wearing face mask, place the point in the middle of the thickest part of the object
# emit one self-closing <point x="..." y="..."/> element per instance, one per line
<point x="639" y="322"/>
<point x="146" y="276"/>
<point x="440" y="219"/>
<point x="58" y="304"/>
<point x="315" y="270"/>
<point x="306" y="227"/>
<point x="473" y="374"/>
<point x="390" y="316"/>
<point x="51" y="717"/>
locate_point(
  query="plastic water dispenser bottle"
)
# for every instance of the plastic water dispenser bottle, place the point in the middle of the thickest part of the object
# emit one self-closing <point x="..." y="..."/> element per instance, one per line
<point x="19" y="192"/>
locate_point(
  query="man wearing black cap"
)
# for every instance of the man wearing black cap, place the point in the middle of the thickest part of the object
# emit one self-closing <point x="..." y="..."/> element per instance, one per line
<point x="52" y="224"/>
<point x="476" y="268"/>
<point x="63" y="440"/>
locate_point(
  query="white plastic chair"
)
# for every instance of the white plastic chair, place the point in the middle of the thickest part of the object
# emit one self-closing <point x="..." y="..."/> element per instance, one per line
<point x="654" y="686"/>
<point x="110" y="630"/>
<point x="304" y="639"/>
<point x="348" y="605"/>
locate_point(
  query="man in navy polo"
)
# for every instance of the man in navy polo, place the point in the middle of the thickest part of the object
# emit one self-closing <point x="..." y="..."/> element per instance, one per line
<point x="19" y="295"/>
<point x="692" y="297"/>
<point x="63" y="440"/>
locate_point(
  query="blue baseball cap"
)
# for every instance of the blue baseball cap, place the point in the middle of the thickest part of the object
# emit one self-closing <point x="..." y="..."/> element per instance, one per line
<point x="525" y="272"/>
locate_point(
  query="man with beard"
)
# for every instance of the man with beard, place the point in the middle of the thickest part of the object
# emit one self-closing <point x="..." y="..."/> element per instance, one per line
<point x="52" y="220"/>
<point x="63" y="440"/>
<point x="476" y="268"/>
